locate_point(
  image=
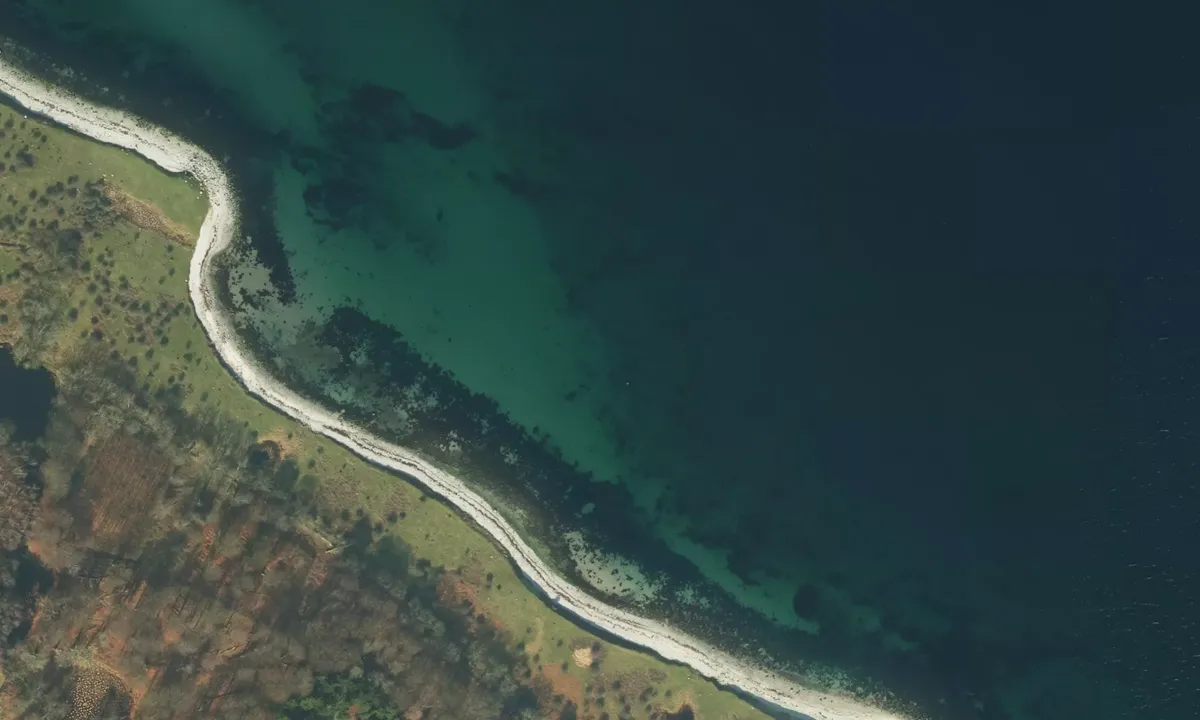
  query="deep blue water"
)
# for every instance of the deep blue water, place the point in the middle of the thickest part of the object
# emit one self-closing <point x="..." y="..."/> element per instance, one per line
<point x="876" y="319"/>
<point x="26" y="396"/>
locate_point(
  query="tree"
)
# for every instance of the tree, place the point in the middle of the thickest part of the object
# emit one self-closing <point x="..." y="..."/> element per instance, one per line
<point x="339" y="697"/>
<point x="18" y="503"/>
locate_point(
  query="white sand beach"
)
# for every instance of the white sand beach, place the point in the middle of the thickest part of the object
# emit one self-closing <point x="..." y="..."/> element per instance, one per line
<point x="220" y="226"/>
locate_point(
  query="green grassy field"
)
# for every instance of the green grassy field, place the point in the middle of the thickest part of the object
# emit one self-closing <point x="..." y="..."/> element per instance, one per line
<point x="124" y="291"/>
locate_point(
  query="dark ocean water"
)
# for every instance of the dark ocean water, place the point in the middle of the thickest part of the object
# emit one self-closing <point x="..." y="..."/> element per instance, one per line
<point x="864" y="334"/>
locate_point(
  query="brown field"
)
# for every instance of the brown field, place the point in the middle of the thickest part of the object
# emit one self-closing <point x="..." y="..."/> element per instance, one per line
<point x="123" y="484"/>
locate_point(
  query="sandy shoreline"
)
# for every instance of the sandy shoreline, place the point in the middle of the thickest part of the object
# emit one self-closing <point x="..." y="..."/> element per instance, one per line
<point x="175" y="155"/>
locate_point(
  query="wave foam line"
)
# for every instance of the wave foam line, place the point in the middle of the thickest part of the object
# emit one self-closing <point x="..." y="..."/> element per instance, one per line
<point x="176" y="155"/>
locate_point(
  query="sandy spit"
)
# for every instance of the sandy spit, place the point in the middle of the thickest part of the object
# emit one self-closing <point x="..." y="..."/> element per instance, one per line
<point x="177" y="155"/>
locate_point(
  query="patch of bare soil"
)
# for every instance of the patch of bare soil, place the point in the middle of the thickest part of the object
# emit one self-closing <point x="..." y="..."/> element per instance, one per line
<point x="563" y="683"/>
<point x="582" y="657"/>
<point x="145" y="215"/>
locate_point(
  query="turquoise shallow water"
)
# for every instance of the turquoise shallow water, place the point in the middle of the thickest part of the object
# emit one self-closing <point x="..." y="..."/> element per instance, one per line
<point x="818" y="332"/>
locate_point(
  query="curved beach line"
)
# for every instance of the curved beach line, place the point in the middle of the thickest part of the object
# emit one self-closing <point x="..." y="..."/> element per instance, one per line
<point x="175" y="155"/>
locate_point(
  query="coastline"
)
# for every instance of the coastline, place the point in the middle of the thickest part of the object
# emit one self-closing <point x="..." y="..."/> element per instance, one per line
<point x="175" y="155"/>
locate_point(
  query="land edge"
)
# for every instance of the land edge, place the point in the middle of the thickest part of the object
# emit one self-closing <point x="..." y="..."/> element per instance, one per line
<point x="175" y="155"/>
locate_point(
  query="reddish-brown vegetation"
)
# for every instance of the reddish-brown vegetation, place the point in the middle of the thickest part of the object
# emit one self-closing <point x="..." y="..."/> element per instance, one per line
<point x="122" y="485"/>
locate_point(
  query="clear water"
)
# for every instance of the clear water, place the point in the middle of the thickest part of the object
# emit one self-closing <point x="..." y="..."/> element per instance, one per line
<point x="838" y="333"/>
